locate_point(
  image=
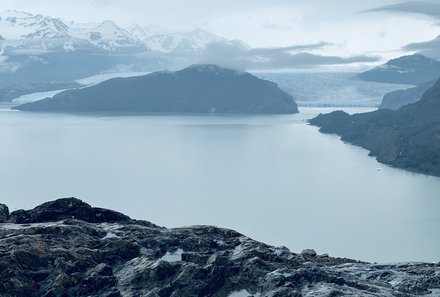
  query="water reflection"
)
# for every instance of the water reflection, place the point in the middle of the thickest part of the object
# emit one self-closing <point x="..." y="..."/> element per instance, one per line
<point x="273" y="178"/>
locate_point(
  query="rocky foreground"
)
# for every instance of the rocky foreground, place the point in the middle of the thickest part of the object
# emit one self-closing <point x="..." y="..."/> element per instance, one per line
<point x="68" y="248"/>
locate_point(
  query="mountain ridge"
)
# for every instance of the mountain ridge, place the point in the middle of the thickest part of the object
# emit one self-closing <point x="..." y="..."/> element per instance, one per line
<point x="31" y="44"/>
<point x="194" y="89"/>
<point x="411" y="69"/>
<point x="107" y="35"/>
<point x="407" y="138"/>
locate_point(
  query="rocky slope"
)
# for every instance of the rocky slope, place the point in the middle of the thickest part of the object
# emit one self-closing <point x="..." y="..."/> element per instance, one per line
<point x="196" y="89"/>
<point x="413" y="70"/>
<point x="407" y="138"/>
<point x="68" y="248"/>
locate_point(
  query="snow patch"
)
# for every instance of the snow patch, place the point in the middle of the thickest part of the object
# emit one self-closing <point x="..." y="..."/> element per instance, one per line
<point x="11" y="226"/>
<point x="96" y="79"/>
<point x="86" y="82"/>
<point x="175" y="256"/>
<point x="321" y="290"/>
<point x="243" y="293"/>
<point x="110" y="235"/>
<point x="434" y="293"/>
<point x="110" y="227"/>
<point x="397" y="280"/>
<point x="237" y="253"/>
<point x="278" y="272"/>
<point x="131" y="268"/>
<point x="35" y="96"/>
<point x="69" y="47"/>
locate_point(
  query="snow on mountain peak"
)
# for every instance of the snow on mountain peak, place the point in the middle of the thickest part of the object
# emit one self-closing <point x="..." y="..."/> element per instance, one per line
<point x="110" y="27"/>
<point x="106" y="35"/>
<point x="23" y="25"/>
<point x="27" y="30"/>
<point x="181" y="41"/>
<point x="138" y="32"/>
<point x="15" y="13"/>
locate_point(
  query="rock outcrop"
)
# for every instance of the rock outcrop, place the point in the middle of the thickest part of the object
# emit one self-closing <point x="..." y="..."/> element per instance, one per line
<point x="63" y="209"/>
<point x="68" y="248"/>
<point x="196" y="89"/>
<point x="407" y="138"/>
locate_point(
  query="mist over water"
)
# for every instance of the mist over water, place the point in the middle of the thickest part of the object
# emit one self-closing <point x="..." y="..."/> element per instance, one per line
<point x="273" y="178"/>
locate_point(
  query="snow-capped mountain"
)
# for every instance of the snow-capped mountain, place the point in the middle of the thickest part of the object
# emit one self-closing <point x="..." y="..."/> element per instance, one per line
<point x="61" y="51"/>
<point x="22" y="25"/>
<point x="138" y="32"/>
<point x="166" y="42"/>
<point x="25" y="30"/>
<point x="413" y="69"/>
<point x="183" y="42"/>
<point x="106" y="35"/>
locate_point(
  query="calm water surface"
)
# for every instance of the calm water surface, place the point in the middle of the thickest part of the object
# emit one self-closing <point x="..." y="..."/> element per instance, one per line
<point x="273" y="178"/>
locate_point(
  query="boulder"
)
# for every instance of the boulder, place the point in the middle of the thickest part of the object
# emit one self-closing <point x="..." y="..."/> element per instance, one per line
<point x="308" y="252"/>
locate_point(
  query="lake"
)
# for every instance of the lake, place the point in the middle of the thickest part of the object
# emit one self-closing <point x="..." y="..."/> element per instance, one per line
<point x="273" y="178"/>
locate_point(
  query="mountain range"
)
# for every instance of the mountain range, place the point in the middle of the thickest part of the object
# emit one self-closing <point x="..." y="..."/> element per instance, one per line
<point x="41" y="53"/>
<point x="417" y="70"/>
<point x="412" y="70"/>
<point x="22" y="30"/>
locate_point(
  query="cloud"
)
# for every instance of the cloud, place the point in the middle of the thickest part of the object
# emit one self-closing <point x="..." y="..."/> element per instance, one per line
<point x="237" y="55"/>
<point x="301" y="47"/>
<point x="427" y="8"/>
<point x="275" y="27"/>
<point x="429" y="48"/>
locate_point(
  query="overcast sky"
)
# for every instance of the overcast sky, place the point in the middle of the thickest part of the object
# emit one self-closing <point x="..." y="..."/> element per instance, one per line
<point x="349" y="27"/>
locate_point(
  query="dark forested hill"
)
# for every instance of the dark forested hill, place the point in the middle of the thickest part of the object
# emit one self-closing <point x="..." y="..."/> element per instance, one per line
<point x="196" y="89"/>
<point x="407" y="138"/>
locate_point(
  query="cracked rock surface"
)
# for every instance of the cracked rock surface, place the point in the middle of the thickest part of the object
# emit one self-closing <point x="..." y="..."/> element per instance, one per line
<point x="68" y="248"/>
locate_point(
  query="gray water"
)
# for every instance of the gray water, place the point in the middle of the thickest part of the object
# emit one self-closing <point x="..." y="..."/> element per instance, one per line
<point x="273" y="178"/>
